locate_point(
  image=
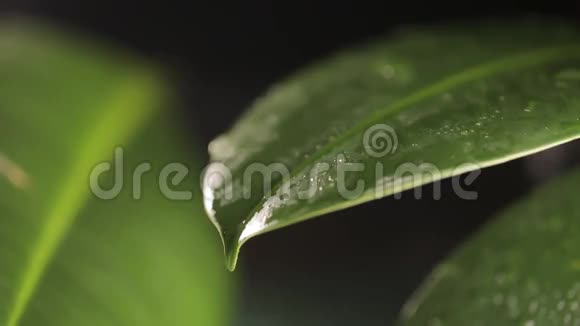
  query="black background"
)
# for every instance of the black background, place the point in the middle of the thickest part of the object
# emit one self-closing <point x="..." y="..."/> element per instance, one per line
<point x="351" y="267"/>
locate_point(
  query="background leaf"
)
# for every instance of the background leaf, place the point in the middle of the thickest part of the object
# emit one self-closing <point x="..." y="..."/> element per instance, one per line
<point x="522" y="269"/>
<point x="480" y="94"/>
<point x="67" y="258"/>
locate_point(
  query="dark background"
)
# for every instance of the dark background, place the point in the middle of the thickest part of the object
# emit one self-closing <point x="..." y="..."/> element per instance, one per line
<point x="351" y="267"/>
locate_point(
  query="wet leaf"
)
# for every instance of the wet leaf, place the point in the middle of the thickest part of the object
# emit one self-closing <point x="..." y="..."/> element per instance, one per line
<point x="521" y="269"/>
<point x="423" y="105"/>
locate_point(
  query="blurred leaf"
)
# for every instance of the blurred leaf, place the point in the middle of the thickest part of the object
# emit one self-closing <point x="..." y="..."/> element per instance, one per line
<point x="431" y="103"/>
<point x="522" y="269"/>
<point x="66" y="257"/>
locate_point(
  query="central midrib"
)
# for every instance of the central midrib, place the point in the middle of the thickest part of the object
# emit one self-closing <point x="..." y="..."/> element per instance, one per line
<point x="134" y="99"/>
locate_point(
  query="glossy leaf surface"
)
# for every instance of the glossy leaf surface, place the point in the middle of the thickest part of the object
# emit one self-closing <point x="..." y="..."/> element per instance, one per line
<point x="66" y="257"/>
<point x="522" y="269"/>
<point x="430" y="103"/>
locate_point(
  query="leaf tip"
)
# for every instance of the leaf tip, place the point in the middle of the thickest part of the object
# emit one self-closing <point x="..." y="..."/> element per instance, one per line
<point x="231" y="250"/>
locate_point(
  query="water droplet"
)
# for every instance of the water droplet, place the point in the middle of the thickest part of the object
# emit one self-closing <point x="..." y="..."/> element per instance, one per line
<point x="561" y="305"/>
<point x="387" y="71"/>
<point x="531" y="107"/>
<point x="530" y="323"/>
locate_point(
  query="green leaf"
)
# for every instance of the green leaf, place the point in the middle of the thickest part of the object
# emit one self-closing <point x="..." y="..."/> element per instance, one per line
<point x="521" y="269"/>
<point x="67" y="257"/>
<point x="457" y="98"/>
